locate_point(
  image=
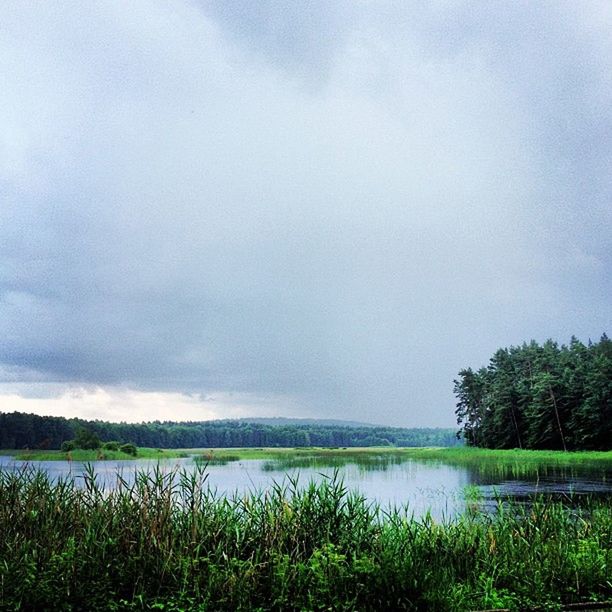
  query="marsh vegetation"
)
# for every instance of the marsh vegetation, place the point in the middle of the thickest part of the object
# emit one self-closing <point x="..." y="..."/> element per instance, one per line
<point x="308" y="529"/>
<point x="166" y="541"/>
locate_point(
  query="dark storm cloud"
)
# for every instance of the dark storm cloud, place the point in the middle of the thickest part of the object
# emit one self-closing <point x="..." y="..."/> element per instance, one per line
<point x="337" y="204"/>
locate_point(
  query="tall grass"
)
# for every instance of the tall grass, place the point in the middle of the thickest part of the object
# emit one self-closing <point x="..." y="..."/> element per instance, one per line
<point x="516" y="463"/>
<point x="167" y="542"/>
<point x="99" y="454"/>
<point x="488" y="463"/>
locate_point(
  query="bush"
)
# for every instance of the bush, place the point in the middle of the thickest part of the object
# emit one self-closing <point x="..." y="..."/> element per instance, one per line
<point x="87" y="440"/>
<point x="129" y="449"/>
<point x="111" y="445"/>
<point x="67" y="446"/>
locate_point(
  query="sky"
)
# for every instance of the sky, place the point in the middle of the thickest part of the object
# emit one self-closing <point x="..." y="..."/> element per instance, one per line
<point x="214" y="209"/>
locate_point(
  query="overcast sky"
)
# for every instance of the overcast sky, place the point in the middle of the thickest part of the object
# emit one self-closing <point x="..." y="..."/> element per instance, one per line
<point x="322" y="209"/>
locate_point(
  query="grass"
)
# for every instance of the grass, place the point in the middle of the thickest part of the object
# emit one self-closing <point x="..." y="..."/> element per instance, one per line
<point x="517" y="463"/>
<point x="494" y="463"/>
<point x="459" y="455"/>
<point x="275" y="453"/>
<point x="455" y="454"/>
<point x="166" y="542"/>
<point x="94" y="455"/>
<point x="462" y="454"/>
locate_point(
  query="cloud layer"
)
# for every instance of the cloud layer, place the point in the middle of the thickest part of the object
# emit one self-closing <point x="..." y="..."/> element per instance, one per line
<point x="332" y="206"/>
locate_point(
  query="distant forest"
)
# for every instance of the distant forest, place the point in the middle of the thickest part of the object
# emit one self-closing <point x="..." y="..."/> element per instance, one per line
<point x="19" y="430"/>
<point x="540" y="397"/>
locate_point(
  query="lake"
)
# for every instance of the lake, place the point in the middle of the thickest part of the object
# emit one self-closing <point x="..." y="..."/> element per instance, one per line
<point x="441" y="488"/>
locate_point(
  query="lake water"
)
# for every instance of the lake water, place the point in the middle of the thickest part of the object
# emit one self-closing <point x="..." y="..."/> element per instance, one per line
<point x="442" y="489"/>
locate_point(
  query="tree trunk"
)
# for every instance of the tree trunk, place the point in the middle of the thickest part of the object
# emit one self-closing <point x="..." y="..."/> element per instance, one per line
<point x="554" y="400"/>
<point x="516" y="427"/>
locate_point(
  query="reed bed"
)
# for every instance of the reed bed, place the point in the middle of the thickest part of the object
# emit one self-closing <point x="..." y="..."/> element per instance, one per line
<point x="489" y="463"/>
<point x="167" y="542"/>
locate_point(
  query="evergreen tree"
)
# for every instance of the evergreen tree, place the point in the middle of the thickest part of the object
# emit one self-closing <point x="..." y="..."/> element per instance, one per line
<point x="545" y="397"/>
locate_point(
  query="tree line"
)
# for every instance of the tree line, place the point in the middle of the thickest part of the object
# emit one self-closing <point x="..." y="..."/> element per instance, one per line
<point x="20" y="430"/>
<point x="539" y="397"/>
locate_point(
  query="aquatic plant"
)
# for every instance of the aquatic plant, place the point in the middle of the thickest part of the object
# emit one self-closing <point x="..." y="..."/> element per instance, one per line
<point x="165" y="541"/>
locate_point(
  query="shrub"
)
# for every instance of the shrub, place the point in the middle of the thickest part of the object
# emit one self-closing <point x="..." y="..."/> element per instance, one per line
<point x="86" y="439"/>
<point x="111" y="445"/>
<point x="129" y="449"/>
<point x="67" y="446"/>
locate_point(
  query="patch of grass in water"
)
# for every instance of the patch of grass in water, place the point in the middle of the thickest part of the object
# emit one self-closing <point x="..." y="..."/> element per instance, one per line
<point x="495" y="463"/>
<point x="211" y="458"/>
<point x="517" y="463"/>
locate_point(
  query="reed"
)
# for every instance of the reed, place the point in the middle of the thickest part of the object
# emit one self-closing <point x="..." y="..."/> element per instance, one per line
<point x="166" y="541"/>
<point x="489" y="463"/>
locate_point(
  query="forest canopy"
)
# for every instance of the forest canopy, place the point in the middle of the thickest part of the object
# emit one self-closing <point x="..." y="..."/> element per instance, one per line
<point x="19" y="430"/>
<point x="539" y="397"/>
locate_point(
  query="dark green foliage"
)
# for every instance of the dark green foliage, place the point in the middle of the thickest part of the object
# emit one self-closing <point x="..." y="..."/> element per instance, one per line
<point x="18" y="430"/>
<point x="129" y="449"/>
<point x="166" y="542"/>
<point x="540" y="397"/>
<point x="112" y="445"/>
<point x="86" y="439"/>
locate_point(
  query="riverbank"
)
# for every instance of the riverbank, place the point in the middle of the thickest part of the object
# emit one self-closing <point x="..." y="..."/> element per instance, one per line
<point x="462" y="455"/>
<point x="100" y="454"/>
<point x="452" y="455"/>
<point x="166" y="542"/>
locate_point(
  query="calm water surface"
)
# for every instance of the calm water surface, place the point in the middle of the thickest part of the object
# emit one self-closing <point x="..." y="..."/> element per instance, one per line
<point x="442" y="489"/>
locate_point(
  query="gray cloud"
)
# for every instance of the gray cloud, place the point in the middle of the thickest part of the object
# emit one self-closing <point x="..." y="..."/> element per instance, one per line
<point x="338" y="204"/>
